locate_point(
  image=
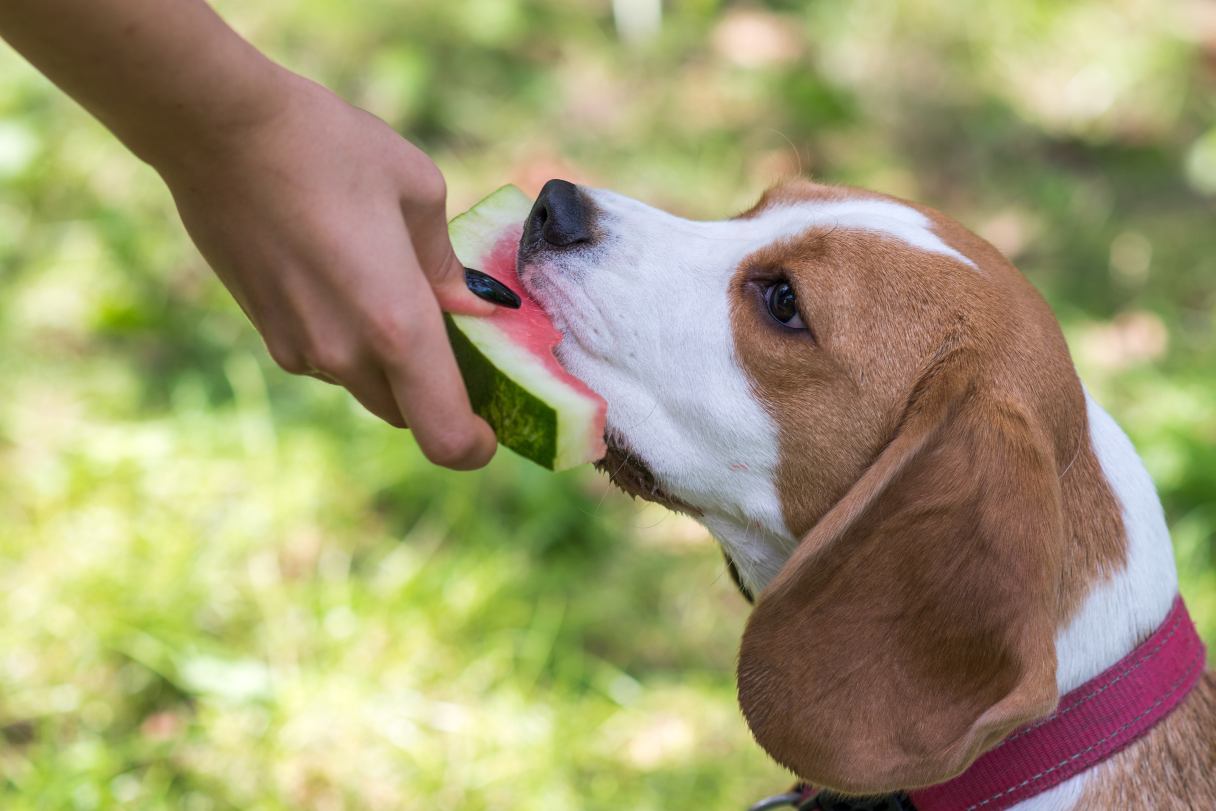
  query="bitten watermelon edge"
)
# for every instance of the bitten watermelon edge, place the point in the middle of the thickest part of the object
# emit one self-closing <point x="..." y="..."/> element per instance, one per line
<point x="536" y="408"/>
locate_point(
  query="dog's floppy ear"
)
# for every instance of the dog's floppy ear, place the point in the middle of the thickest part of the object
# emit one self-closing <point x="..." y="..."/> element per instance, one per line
<point x="913" y="627"/>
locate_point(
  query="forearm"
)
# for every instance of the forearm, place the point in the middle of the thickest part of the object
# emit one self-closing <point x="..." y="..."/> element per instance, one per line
<point x="160" y="74"/>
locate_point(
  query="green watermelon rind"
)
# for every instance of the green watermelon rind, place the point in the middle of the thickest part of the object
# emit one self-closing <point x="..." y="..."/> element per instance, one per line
<point x="534" y="413"/>
<point x="474" y="232"/>
<point x="522" y="421"/>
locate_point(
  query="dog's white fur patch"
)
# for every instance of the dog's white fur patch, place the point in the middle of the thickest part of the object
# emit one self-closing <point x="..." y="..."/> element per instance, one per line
<point x="646" y="314"/>
<point x="1122" y="610"/>
<point x="1057" y="798"/>
<point x="884" y="217"/>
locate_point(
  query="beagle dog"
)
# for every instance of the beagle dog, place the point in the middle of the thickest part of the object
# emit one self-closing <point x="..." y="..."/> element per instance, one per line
<point x="950" y="544"/>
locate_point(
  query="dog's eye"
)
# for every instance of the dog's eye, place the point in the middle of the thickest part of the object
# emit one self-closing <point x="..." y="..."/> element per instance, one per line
<point x="783" y="305"/>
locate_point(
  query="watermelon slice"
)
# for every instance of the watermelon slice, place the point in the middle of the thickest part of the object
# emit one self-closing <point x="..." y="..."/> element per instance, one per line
<point x="537" y="408"/>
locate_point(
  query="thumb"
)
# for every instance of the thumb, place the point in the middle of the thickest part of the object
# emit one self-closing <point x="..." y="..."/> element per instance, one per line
<point x="451" y="291"/>
<point x="428" y="233"/>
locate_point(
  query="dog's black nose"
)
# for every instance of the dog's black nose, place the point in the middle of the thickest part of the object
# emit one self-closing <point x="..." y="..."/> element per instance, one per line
<point x="560" y="217"/>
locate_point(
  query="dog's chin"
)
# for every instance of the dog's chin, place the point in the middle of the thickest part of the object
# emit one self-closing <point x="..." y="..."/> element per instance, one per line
<point x="631" y="474"/>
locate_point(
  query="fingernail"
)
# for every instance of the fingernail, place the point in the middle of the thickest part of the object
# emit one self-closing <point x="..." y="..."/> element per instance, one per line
<point x="490" y="289"/>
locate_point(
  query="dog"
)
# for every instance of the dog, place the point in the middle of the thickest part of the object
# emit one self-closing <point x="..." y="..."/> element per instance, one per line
<point x="878" y="419"/>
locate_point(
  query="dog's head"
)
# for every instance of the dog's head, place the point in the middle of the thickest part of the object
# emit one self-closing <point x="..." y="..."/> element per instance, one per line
<point x="871" y="410"/>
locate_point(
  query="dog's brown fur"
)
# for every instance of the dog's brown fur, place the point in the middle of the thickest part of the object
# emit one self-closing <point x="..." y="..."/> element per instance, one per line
<point x="1171" y="769"/>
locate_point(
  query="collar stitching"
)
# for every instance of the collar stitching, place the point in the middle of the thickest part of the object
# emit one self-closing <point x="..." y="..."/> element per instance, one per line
<point x="1060" y="713"/>
<point x="1197" y="662"/>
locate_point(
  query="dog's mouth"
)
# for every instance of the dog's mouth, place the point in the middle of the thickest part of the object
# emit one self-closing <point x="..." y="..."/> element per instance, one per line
<point x="624" y="468"/>
<point x="631" y="474"/>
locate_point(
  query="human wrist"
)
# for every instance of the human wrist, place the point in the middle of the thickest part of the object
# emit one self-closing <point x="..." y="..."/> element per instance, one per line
<point x="214" y="113"/>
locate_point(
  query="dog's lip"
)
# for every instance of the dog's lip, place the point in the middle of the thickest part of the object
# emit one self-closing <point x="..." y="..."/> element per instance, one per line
<point x="529" y="271"/>
<point x="526" y="259"/>
<point x="559" y="305"/>
<point x="525" y="271"/>
<point x="532" y="280"/>
<point x="630" y="473"/>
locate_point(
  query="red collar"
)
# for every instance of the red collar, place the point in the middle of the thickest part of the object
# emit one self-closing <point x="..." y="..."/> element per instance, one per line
<point x="1091" y="723"/>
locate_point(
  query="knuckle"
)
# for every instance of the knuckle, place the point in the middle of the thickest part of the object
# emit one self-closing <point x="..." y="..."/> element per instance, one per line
<point x="428" y="186"/>
<point x="394" y="419"/>
<point x="391" y="331"/>
<point x="335" y="361"/>
<point x="288" y="358"/>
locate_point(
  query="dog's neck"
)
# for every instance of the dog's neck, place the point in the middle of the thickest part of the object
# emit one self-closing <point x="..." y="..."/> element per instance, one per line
<point x="1123" y="608"/>
<point x="1120" y="580"/>
<point x="1128" y="604"/>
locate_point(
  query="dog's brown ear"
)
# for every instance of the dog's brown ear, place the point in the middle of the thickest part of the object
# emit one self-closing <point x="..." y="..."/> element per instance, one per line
<point x="913" y="627"/>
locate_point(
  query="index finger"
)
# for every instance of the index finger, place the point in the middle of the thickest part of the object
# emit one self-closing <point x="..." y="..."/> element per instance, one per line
<point x="426" y="383"/>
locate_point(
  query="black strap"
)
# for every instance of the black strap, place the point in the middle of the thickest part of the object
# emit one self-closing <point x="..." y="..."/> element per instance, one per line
<point x="827" y="801"/>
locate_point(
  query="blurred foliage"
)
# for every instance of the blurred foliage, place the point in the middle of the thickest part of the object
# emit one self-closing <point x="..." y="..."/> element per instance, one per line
<point x="225" y="588"/>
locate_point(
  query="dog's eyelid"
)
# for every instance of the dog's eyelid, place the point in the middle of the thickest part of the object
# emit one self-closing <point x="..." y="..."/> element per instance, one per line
<point x="771" y="274"/>
<point x="802" y="299"/>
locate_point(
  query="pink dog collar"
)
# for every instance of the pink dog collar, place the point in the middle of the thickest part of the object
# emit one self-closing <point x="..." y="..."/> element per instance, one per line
<point x="1090" y="724"/>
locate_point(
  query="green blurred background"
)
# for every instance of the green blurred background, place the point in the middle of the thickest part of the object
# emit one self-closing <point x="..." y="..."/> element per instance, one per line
<point x="226" y="588"/>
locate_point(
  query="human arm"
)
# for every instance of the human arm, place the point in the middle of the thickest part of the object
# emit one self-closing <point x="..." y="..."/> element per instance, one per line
<point x="328" y="228"/>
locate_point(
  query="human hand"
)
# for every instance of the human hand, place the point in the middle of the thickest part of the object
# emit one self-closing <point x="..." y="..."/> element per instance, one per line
<point x="330" y="231"/>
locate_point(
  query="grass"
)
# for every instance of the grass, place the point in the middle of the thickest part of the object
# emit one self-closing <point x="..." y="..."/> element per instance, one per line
<point x="225" y="588"/>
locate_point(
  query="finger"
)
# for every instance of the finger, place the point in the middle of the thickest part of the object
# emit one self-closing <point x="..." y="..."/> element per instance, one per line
<point x="429" y="236"/>
<point x="324" y="378"/>
<point x="426" y="383"/>
<point x="341" y="363"/>
<point x="360" y="375"/>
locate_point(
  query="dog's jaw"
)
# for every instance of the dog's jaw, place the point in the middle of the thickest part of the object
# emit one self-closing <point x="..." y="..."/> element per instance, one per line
<point x="628" y="472"/>
<point x="645" y="315"/>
